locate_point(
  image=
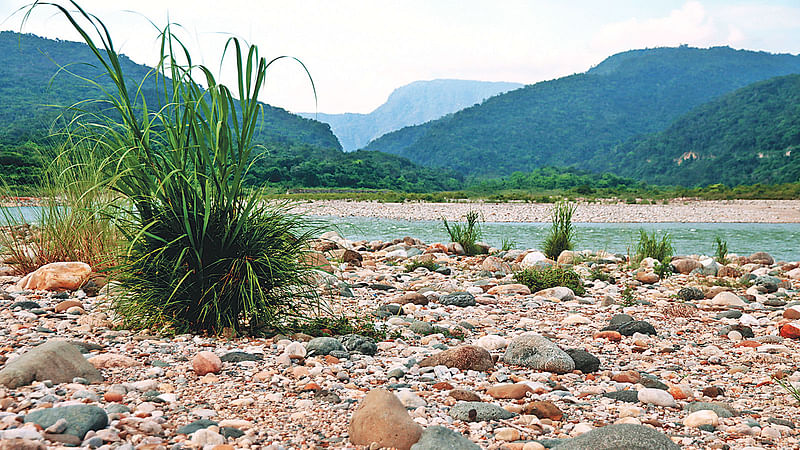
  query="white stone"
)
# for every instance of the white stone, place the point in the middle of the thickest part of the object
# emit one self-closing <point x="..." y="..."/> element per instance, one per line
<point x="204" y="437"/>
<point x="296" y="349"/>
<point x="531" y="259"/>
<point x="580" y="429"/>
<point x="576" y="319"/>
<point x="656" y="397"/>
<point x="410" y="399"/>
<point x="492" y="342"/>
<point x="727" y="299"/>
<point x="702" y="417"/>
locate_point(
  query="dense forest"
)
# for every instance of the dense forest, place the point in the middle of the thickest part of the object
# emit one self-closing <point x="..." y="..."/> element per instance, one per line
<point x="571" y="120"/>
<point x="749" y="136"/>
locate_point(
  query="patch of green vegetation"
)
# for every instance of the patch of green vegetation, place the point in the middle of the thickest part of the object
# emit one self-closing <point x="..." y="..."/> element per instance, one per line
<point x="332" y="326"/>
<point x="466" y="234"/>
<point x="561" y="234"/>
<point x="627" y="298"/>
<point x="787" y="386"/>
<point x="598" y="274"/>
<point x="663" y="269"/>
<point x="544" y="278"/>
<point x="507" y="244"/>
<point x="654" y="246"/>
<point x="413" y="265"/>
<point x="721" y="250"/>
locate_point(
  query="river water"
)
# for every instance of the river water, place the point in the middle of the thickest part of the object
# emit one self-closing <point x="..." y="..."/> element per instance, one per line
<point x="779" y="240"/>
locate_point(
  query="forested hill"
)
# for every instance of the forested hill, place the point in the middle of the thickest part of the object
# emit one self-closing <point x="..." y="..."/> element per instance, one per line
<point x="576" y="119"/>
<point x="411" y="104"/>
<point x="33" y="91"/>
<point x="749" y="136"/>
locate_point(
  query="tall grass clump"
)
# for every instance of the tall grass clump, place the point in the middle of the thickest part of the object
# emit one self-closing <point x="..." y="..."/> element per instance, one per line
<point x="466" y="234"/>
<point x="721" y="250"/>
<point x="561" y="235"/>
<point x="654" y="246"/>
<point x="203" y="253"/>
<point x="72" y="222"/>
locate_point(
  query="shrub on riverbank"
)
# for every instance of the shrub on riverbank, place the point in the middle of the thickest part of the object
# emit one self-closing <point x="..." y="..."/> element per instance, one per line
<point x="654" y="246"/>
<point x="543" y="278"/>
<point x="561" y="234"/>
<point x="466" y="234"/>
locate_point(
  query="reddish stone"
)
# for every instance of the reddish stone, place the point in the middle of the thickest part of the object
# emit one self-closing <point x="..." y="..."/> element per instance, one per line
<point x="678" y="393"/>
<point x="629" y="376"/>
<point x="442" y="386"/>
<point x="713" y="391"/>
<point x="751" y="344"/>
<point x="791" y="331"/>
<point x="206" y="362"/>
<point x="610" y="335"/>
<point x="464" y="395"/>
<point x="543" y="410"/>
<point x="791" y="313"/>
<point x="436" y="248"/>
<point x="311" y="387"/>
<point x="509" y="391"/>
<point x="112" y="396"/>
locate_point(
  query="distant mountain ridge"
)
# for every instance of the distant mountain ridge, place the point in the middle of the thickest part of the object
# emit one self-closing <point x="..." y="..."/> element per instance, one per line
<point x="412" y="104"/>
<point x="577" y="120"/>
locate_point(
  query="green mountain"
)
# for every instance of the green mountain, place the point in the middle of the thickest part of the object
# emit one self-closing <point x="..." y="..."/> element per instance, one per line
<point x="34" y="91"/>
<point x="411" y="104"/>
<point x="577" y="120"/>
<point x="749" y="136"/>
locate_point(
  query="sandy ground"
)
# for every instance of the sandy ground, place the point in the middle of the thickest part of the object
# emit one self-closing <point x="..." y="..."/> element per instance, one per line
<point x="760" y="211"/>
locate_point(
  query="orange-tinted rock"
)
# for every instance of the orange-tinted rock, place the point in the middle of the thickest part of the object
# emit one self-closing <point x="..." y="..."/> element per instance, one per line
<point x="494" y="264"/>
<point x="352" y="257"/>
<point x="628" y="376"/>
<point x="112" y="360"/>
<point x="510" y="289"/>
<point x="713" y="391"/>
<point x="56" y="276"/>
<point x="543" y="410"/>
<point x="206" y="362"/>
<point x="465" y="357"/>
<point x="509" y="391"/>
<point x="67" y="304"/>
<point x="792" y="313"/>
<point x="436" y="248"/>
<point x="646" y="277"/>
<point x="729" y="271"/>
<point x="678" y="393"/>
<point x="442" y="386"/>
<point x="383" y="420"/>
<point x="464" y="395"/>
<point x="112" y="396"/>
<point x="686" y="266"/>
<point x="610" y="335"/>
<point x="318" y="261"/>
<point x="791" y="330"/>
<point x="412" y="297"/>
<point x="751" y="344"/>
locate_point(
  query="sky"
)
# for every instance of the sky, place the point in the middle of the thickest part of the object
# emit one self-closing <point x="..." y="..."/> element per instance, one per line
<point x="359" y="51"/>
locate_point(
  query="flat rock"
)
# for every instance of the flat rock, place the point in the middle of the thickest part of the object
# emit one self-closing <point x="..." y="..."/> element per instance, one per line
<point x="543" y="410"/>
<point x="461" y="299"/>
<point x="478" y="412"/>
<point x="80" y="418"/>
<point x="722" y="410"/>
<point x="441" y="438"/>
<point x="656" y="397"/>
<point x="194" y="426"/>
<point x="628" y="396"/>
<point x="68" y="276"/>
<point x="620" y="436"/>
<point x="383" y="420"/>
<point x="324" y="346"/>
<point x="509" y="289"/>
<point x="465" y="357"/>
<point x="727" y="299"/>
<point x="509" y="391"/>
<point x="112" y="360"/>
<point x="57" y="361"/>
<point x="235" y="357"/>
<point x="536" y="352"/>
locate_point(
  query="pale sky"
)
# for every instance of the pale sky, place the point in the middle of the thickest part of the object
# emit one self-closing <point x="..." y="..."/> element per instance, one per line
<point x="359" y="51"/>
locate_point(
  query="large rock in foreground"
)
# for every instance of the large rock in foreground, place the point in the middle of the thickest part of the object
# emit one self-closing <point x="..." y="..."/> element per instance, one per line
<point x="624" y="436"/>
<point x="536" y="352"/>
<point x="80" y="418"/>
<point x="382" y="419"/>
<point x="57" y="361"/>
<point x="58" y="276"/>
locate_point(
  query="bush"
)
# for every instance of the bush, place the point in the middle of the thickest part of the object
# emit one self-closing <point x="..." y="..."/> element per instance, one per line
<point x="561" y="233"/>
<point x="721" y="250"/>
<point x="654" y="246"/>
<point x="203" y="253"/>
<point x="466" y="234"/>
<point x="538" y="279"/>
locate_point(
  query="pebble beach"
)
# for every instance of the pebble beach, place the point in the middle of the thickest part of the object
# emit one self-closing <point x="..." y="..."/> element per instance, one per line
<point x="472" y="359"/>
<point x="688" y="210"/>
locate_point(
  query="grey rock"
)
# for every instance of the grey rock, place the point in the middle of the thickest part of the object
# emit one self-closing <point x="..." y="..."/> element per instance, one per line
<point x="443" y="270"/>
<point x="729" y="314"/>
<point x="391" y="309"/>
<point x="324" y="346"/>
<point x="637" y="326"/>
<point x="421" y="327"/>
<point x="25" y="304"/>
<point x="57" y="361"/>
<point x="536" y="352"/>
<point x="327" y="396"/>
<point x="194" y="426"/>
<point x="482" y="411"/>
<point x="240" y="356"/>
<point x="396" y="373"/>
<point x="690" y="293"/>
<point x="461" y="299"/>
<point x="80" y="418"/>
<point x="767" y="282"/>
<point x="355" y="343"/>
<point x="746" y="331"/>
<point x="628" y="396"/>
<point x="441" y="438"/>
<point x="620" y="319"/>
<point x="723" y="410"/>
<point x="624" y="436"/>
<point x="650" y="381"/>
<point x="231" y="432"/>
<point x="584" y="361"/>
<point x="116" y="408"/>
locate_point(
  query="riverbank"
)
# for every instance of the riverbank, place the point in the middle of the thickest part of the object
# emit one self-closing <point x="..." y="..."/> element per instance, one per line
<point x="687" y="211"/>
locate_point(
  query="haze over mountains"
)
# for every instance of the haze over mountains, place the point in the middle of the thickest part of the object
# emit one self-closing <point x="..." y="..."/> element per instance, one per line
<point x="411" y="104"/>
<point x="577" y="120"/>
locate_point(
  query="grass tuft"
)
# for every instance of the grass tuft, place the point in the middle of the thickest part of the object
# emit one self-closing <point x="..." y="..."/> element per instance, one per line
<point x="466" y="234"/>
<point x="654" y="246"/>
<point x="544" y="278"/>
<point x="561" y="234"/>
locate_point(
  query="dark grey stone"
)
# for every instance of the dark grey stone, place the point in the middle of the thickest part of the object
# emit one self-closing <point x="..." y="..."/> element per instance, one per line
<point x="25" y="304"/>
<point x="584" y="361"/>
<point x="767" y="282"/>
<point x="235" y="357"/>
<point x="729" y="314"/>
<point x="650" y="381"/>
<point x="628" y="396"/>
<point x="356" y="343"/>
<point x="421" y="327"/>
<point x="80" y="418"/>
<point x="619" y="319"/>
<point x="624" y="436"/>
<point x="231" y="432"/>
<point x="690" y="293"/>
<point x="637" y="326"/>
<point x="194" y="426"/>
<point x="441" y="438"/>
<point x="723" y="410"/>
<point x="746" y="331"/>
<point x="482" y="411"/>
<point x="324" y="346"/>
<point x="460" y="299"/>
